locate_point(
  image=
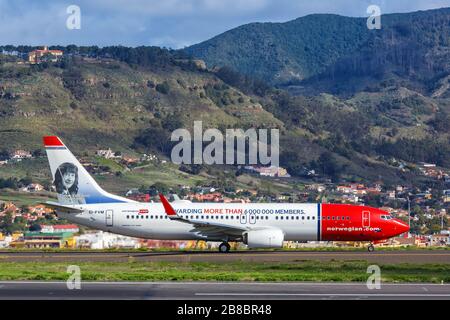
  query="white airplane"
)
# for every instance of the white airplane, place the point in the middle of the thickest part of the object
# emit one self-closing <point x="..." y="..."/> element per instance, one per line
<point x="259" y="225"/>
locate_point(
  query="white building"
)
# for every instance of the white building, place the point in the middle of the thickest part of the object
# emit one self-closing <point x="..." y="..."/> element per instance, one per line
<point x="104" y="240"/>
<point x="33" y="187"/>
<point x="5" y="242"/>
<point x="107" y="154"/>
<point x="73" y="228"/>
<point x="21" y="154"/>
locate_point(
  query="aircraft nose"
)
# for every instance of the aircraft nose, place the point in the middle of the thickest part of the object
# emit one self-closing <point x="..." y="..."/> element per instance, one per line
<point x="401" y="226"/>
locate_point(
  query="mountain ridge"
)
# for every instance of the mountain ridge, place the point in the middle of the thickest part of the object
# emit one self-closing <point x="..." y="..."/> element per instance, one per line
<point x="281" y="54"/>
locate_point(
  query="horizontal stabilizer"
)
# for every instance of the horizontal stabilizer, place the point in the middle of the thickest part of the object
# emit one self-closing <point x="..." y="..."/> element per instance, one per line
<point x="60" y="208"/>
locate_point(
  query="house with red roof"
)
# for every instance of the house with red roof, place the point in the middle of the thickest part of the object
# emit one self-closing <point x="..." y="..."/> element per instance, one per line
<point x="35" y="56"/>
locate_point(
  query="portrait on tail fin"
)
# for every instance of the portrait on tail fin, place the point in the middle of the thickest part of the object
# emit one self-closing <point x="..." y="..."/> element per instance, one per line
<point x="66" y="179"/>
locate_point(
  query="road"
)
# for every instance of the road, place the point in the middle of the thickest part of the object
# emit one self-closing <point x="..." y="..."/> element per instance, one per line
<point x="30" y="290"/>
<point x="381" y="257"/>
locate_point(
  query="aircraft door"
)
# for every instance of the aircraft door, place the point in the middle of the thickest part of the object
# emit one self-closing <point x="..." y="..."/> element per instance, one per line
<point x="366" y="219"/>
<point x="109" y="218"/>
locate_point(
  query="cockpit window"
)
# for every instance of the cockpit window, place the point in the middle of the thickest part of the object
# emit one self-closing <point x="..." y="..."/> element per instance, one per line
<point x="389" y="217"/>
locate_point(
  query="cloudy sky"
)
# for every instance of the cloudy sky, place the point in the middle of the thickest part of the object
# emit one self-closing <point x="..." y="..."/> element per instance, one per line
<point x="169" y="23"/>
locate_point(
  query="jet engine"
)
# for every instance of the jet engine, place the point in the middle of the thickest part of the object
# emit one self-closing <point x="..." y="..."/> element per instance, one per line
<point x="264" y="238"/>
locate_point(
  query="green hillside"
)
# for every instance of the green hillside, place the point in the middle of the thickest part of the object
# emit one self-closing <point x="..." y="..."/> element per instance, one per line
<point x="130" y="100"/>
<point x="336" y="54"/>
<point x="279" y="52"/>
<point x="94" y="103"/>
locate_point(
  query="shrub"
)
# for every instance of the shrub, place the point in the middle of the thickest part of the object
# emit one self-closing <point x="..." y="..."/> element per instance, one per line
<point x="163" y="88"/>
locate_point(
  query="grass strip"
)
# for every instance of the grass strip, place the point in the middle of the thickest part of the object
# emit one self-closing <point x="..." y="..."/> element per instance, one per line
<point x="334" y="271"/>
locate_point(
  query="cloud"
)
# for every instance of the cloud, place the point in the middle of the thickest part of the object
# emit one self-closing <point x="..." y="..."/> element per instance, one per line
<point x="170" y="23"/>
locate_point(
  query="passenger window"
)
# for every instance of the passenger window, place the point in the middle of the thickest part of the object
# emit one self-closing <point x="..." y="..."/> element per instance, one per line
<point x="128" y="217"/>
<point x="314" y="218"/>
<point x="303" y="218"/>
<point x="307" y="217"/>
<point x="334" y="218"/>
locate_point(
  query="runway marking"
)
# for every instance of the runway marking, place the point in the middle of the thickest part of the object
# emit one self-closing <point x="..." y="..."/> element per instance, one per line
<point x="227" y="283"/>
<point x="326" y="294"/>
<point x="355" y="254"/>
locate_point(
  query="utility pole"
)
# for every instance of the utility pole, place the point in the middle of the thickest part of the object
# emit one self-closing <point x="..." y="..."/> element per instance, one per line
<point x="409" y="217"/>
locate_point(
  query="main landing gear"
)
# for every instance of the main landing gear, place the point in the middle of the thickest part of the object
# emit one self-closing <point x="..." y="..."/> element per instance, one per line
<point x="224" y="247"/>
<point x="371" y="248"/>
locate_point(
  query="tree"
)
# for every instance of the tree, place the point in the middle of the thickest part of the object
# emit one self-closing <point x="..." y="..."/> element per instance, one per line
<point x="155" y="137"/>
<point x="38" y="153"/>
<point x="8" y="226"/>
<point x="172" y="122"/>
<point x="35" y="227"/>
<point x="25" y="181"/>
<point x="163" y="88"/>
<point x="10" y="183"/>
<point x="329" y="166"/>
<point x="158" y="187"/>
<point x="4" y="155"/>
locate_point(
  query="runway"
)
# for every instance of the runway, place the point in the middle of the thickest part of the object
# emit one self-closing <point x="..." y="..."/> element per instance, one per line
<point x="220" y="291"/>
<point x="381" y="257"/>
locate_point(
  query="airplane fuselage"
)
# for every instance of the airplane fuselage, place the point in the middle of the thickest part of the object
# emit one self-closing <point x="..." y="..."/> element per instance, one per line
<point x="298" y="222"/>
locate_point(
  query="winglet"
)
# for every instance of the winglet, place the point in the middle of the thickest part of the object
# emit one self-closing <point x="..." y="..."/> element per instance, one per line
<point x="170" y="211"/>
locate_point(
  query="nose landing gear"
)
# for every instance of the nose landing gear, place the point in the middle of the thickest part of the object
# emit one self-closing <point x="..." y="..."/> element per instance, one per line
<point x="371" y="248"/>
<point x="224" y="247"/>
